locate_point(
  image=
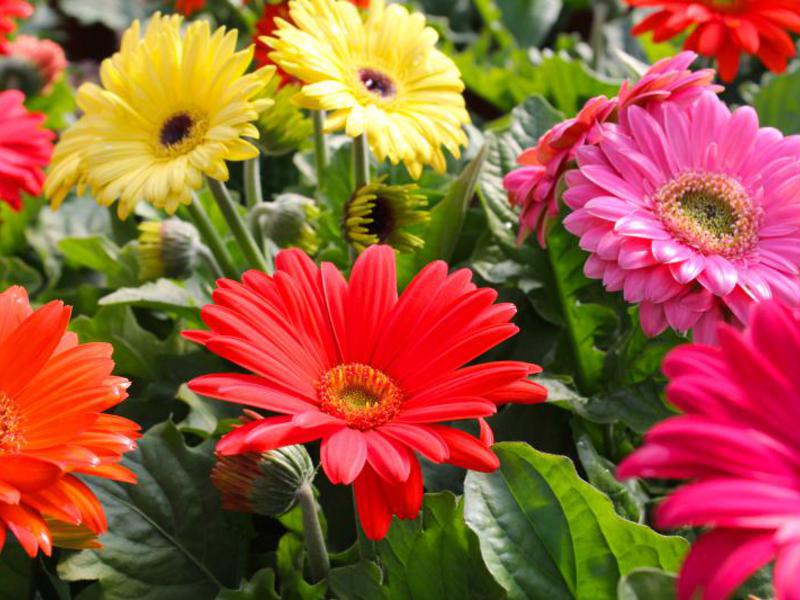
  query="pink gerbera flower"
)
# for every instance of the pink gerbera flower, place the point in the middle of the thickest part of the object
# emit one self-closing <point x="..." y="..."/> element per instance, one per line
<point x="25" y="149"/>
<point x="534" y="186"/>
<point x="692" y="212"/>
<point x="371" y="374"/>
<point x="738" y="443"/>
<point x="9" y="11"/>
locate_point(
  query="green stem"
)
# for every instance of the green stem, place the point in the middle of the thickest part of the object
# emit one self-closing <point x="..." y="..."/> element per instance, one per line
<point x="252" y="182"/>
<point x="205" y="253"/>
<point x="318" y="560"/>
<point x="582" y="375"/>
<point x="366" y="548"/>
<point x="600" y="12"/>
<point x="320" y="146"/>
<point x="361" y="160"/>
<point x="240" y="231"/>
<point x="210" y="236"/>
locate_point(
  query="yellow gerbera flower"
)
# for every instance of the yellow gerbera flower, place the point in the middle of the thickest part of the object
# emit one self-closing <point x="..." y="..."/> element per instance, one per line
<point x="382" y="76"/>
<point x="171" y="109"/>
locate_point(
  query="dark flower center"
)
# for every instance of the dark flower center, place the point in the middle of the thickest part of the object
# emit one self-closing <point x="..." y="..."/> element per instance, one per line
<point x="710" y="212"/>
<point x="176" y="129"/>
<point x="377" y="83"/>
<point x="383" y="222"/>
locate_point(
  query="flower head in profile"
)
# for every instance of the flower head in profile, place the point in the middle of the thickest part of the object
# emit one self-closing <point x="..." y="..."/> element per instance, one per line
<point x="534" y="186"/>
<point x="46" y="55"/>
<point x="52" y="426"/>
<point x="692" y="212"/>
<point x="381" y="76"/>
<point x="10" y="10"/>
<point x="727" y="29"/>
<point x="174" y="106"/>
<point x="25" y="149"/>
<point x="379" y="213"/>
<point x="737" y="443"/>
<point x="372" y="375"/>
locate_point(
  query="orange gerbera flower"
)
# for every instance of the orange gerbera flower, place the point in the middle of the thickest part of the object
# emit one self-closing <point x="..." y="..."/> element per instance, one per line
<point x="726" y="29"/>
<point x="52" y="394"/>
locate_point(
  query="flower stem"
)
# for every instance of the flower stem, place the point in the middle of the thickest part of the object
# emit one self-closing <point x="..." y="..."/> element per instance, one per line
<point x="318" y="560"/>
<point x="212" y="239"/>
<point x="320" y="146"/>
<point x="366" y="548"/>
<point x="205" y="253"/>
<point x="252" y="182"/>
<point x="600" y="12"/>
<point x="361" y="160"/>
<point x="240" y="231"/>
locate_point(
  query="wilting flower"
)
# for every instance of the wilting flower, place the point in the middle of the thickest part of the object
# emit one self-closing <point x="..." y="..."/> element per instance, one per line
<point x="9" y="11"/>
<point x="737" y="442"/>
<point x="173" y="107"/>
<point x="692" y="212"/>
<point x="52" y="425"/>
<point x="47" y="56"/>
<point x="169" y="248"/>
<point x="25" y="149"/>
<point x="370" y="374"/>
<point x="533" y="187"/>
<point x="726" y="29"/>
<point x="382" y="77"/>
<point x="378" y="213"/>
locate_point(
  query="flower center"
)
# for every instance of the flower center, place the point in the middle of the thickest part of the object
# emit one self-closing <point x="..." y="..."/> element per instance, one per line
<point x="364" y="397"/>
<point x="377" y="83"/>
<point x="11" y="437"/>
<point x="711" y="212"/>
<point x="383" y="221"/>
<point x="181" y="133"/>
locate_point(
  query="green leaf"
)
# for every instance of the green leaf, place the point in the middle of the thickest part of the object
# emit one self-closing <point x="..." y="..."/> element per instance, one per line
<point x="529" y="121"/>
<point x="115" y="14"/>
<point x="361" y="581"/>
<point x="546" y="533"/>
<point x="260" y="587"/>
<point x="647" y="584"/>
<point x="57" y="105"/>
<point x="16" y="572"/>
<point x="136" y="350"/>
<point x="447" y="217"/>
<point x="162" y="295"/>
<point x="100" y="254"/>
<point x="205" y="414"/>
<point x="529" y="20"/>
<point x="15" y="271"/>
<point x="778" y="101"/>
<point x="291" y="558"/>
<point x="169" y="538"/>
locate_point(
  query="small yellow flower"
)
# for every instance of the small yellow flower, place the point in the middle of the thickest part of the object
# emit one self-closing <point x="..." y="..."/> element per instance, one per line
<point x="381" y="214"/>
<point x="172" y="108"/>
<point x="381" y="76"/>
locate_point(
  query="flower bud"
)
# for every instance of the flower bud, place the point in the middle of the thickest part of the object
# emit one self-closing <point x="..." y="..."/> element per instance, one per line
<point x="287" y="221"/>
<point x="167" y="248"/>
<point x="283" y="127"/>
<point x="20" y="74"/>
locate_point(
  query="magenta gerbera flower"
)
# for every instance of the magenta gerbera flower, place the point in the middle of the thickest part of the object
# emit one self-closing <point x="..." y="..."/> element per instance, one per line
<point x="690" y="211"/>
<point x="738" y="444"/>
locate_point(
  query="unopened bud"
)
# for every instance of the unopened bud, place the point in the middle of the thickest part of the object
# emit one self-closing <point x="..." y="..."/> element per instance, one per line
<point x="168" y="248"/>
<point x="287" y="221"/>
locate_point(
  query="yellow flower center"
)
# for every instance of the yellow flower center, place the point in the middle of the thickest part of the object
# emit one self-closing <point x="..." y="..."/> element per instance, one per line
<point x="181" y="133"/>
<point x="377" y="83"/>
<point x="710" y="211"/>
<point x="364" y="397"/>
<point x="11" y="437"/>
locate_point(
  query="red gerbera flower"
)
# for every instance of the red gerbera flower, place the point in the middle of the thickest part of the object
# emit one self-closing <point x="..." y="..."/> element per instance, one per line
<point x="369" y="373"/>
<point x="10" y="10"/>
<point x="726" y="29"/>
<point x="25" y="149"/>
<point x="52" y="426"/>
<point x="266" y="26"/>
<point x="189" y="7"/>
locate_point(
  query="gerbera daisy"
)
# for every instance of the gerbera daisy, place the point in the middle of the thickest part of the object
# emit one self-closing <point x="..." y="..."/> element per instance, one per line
<point x="378" y="213"/>
<point x="382" y="77"/>
<point x="9" y="11"/>
<point x="533" y="187"/>
<point x="25" y="149"/>
<point x="737" y="442"/>
<point x="189" y="7"/>
<point x="692" y="212"/>
<point x="726" y="29"/>
<point x="172" y="107"/>
<point x="370" y="374"/>
<point x="52" y="426"/>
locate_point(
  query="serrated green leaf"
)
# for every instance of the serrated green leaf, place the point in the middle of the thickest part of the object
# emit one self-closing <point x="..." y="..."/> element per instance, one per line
<point x="205" y="415"/>
<point x="546" y="533"/>
<point x="162" y="295"/>
<point x="647" y="584"/>
<point x="100" y="254"/>
<point x="169" y="538"/>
